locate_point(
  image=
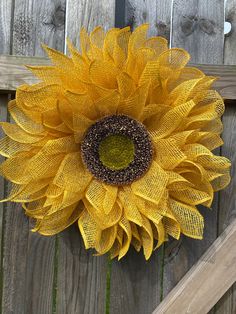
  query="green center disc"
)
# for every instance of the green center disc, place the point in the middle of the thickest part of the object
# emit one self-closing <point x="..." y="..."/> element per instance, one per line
<point x="116" y="151"/>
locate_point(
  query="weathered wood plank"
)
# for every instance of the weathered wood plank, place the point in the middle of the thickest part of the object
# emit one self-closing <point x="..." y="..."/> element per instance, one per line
<point x="196" y="294"/>
<point x="28" y="264"/>
<point x="88" y="14"/>
<point x="37" y="22"/>
<point x="81" y="276"/>
<point x="6" y="7"/>
<point x="135" y="283"/>
<point x="13" y="74"/>
<point x="197" y="27"/>
<point x="156" y="13"/>
<point x="3" y="118"/>
<point x="227" y="304"/>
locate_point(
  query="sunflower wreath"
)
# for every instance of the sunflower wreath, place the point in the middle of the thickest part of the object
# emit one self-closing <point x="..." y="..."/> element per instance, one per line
<point x="119" y="138"/>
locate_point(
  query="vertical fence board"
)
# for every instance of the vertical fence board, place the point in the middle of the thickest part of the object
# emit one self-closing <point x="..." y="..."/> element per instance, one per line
<point x="3" y="118"/>
<point x="197" y="26"/>
<point x="156" y="13"/>
<point x="82" y="276"/>
<point x="227" y="304"/>
<point x="88" y="14"/>
<point x="37" y="22"/>
<point x="6" y="7"/>
<point x="28" y="264"/>
<point x="135" y="283"/>
<point x="5" y="46"/>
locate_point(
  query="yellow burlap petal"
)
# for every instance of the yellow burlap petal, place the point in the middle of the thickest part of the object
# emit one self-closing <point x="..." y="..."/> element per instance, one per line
<point x="126" y="85"/>
<point x="106" y="241"/>
<point x="171" y="225"/>
<point x="107" y="105"/>
<point x="15" y="133"/>
<point x="189" y="218"/>
<point x="81" y="103"/>
<point x="70" y="168"/>
<point x="136" y="240"/>
<point x="172" y="119"/>
<point x="146" y="235"/>
<point x="125" y="225"/>
<point x="109" y="198"/>
<point x="168" y="154"/>
<point x="152" y="185"/>
<point x="58" y="221"/>
<point x="134" y="105"/>
<point x="9" y="147"/>
<point x="89" y="230"/>
<point x="95" y="196"/>
<point x="103" y="74"/>
<point x="131" y="210"/>
<point x="24" y="119"/>
<point x="161" y="234"/>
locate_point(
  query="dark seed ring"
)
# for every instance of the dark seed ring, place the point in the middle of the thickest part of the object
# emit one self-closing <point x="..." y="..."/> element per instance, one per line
<point x="113" y="125"/>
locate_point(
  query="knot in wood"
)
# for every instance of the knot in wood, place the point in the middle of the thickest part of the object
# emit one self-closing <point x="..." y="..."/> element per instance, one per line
<point x="58" y="17"/>
<point x="188" y="24"/>
<point x="207" y="26"/>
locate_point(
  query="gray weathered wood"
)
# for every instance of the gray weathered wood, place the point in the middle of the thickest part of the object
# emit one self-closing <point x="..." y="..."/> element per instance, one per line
<point x="82" y="277"/>
<point x="197" y="27"/>
<point x="6" y="7"/>
<point x="3" y="117"/>
<point x="28" y="263"/>
<point x="207" y="281"/>
<point x="156" y="13"/>
<point x="37" y="22"/>
<point x="136" y="283"/>
<point x="88" y="14"/>
<point x="227" y="304"/>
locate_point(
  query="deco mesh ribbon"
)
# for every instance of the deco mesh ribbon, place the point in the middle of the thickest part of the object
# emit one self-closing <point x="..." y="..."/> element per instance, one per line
<point x="117" y="137"/>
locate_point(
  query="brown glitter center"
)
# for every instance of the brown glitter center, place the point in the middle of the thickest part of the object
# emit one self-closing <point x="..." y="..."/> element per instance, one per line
<point x="117" y="125"/>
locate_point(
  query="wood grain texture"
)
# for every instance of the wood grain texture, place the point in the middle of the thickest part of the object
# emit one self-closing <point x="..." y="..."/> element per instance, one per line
<point x="191" y="20"/>
<point x="14" y="73"/>
<point x="136" y="285"/>
<point x="88" y="14"/>
<point x="198" y="26"/>
<point x="227" y="304"/>
<point x="3" y="118"/>
<point x="195" y="294"/>
<point x="28" y="264"/>
<point x="82" y="277"/>
<point x="6" y="8"/>
<point x="37" y="22"/>
<point x="156" y="13"/>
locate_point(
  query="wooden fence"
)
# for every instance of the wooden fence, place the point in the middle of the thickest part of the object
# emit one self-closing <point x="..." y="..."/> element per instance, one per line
<point x="41" y="275"/>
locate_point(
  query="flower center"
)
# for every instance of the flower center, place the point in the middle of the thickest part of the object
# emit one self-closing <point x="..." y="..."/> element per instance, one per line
<point x="116" y="151"/>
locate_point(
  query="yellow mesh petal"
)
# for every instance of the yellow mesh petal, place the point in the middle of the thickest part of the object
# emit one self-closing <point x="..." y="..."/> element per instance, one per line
<point x="152" y="185"/>
<point x="190" y="220"/>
